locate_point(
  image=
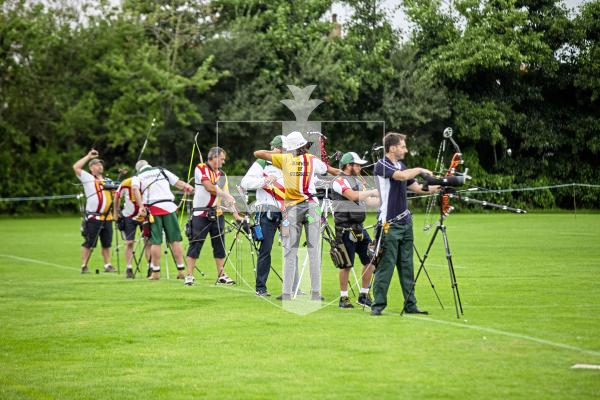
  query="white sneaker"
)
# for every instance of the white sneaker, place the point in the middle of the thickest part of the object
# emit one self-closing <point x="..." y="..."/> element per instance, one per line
<point x="189" y="280"/>
<point x="225" y="280"/>
<point x="109" y="268"/>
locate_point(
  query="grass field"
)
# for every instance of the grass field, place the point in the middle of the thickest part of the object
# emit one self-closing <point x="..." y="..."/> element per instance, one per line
<point x="530" y="286"/>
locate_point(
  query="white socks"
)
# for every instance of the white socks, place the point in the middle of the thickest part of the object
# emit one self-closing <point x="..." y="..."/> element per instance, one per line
<point x="344" y="293"/>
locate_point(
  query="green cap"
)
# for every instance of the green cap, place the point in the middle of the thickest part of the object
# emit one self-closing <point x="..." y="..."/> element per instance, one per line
<point x="277" y="142"/>
<point x="351" y="158"/>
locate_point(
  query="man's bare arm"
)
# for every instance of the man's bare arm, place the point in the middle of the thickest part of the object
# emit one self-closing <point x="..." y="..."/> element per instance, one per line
<point x="80" y="164"/>
<point x="265" y="154"/>
<point x="186" y="188"/>
<point x="410" y="174"/>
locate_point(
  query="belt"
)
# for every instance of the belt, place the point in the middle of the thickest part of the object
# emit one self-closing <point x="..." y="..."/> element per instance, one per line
<point x="96" y="214"/>
<point x="356" y="231"/>
<point x="267" y="207"/>
<point x="401" y="219"/>
<point x="159" y="201"/>
<point x="203" y="208"/>
<point x="353" y="227"/>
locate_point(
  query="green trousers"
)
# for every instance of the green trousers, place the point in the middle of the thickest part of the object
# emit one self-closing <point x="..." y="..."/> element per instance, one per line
<point x="169" y="224"/>
<point x="397" y="251"/>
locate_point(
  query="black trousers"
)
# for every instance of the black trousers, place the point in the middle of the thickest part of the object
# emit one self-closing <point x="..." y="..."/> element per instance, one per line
<point x="269" y="221"/>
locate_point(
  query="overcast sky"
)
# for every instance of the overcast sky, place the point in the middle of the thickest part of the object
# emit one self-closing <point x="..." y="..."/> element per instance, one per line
<point x="399" y="19"/>
<point x="344" y="12"/>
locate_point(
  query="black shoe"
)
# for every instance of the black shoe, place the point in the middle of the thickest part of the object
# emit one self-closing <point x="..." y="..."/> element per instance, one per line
<point x="284" y="297"/>
<point x="375" y="311"/>
<point x="85" y="270"/>
<point x="128" y="273"/>
<point x="262" y="293"/>
<point x="416" y="310"/>
<point x="364" y="300"/>
<point x="345" y="302"/>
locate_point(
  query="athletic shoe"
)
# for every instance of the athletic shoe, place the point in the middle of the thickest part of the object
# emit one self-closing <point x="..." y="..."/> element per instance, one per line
<point x="109" y="268"/>
<point x="316" y="296"/>
<point x="262" y="293"/>
<point x="189" y="280"/>
<point x="154" y="276"/>
<point x="225" y="280"/>
<point x="85" y="270"/>
<point x="375" y="312"/>
<point x="364" y="300"/>
<point x="416" y="310"/>
<point x="345" y="302"/>
<point x="129" y="273"/>
<point x="180" y="274"/>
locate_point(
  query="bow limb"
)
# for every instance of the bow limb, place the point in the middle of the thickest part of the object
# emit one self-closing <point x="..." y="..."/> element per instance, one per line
<point x="188" y="178"/>
<point x="324" y="155"/>
<point x="150" y="128"/>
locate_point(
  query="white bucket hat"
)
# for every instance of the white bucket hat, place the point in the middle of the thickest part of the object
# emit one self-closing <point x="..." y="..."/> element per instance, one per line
<point x="294" y="141"/>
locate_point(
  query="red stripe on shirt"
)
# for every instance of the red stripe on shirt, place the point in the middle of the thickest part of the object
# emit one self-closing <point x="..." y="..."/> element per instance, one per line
<point x="99" y="194"/>
<point x="306" y="176"/>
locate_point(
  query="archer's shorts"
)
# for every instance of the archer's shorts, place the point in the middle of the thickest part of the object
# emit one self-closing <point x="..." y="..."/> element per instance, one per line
<point x="167" y="223"/>
<point x="130" y="226"/>
<point x="359" y="247"/>
<point x="95" y="229"/>
<point x="201" y="227"/>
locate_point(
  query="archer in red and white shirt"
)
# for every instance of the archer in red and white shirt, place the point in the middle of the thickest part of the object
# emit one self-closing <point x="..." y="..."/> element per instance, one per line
<point x="211" y="195"/>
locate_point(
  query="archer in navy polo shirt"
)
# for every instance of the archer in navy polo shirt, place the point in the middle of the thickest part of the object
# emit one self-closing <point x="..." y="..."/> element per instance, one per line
<point x="393" y="192"/>
<point x="393" y="179"/>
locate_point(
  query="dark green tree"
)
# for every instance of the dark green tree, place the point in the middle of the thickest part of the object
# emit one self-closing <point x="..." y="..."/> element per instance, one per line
<point x="509" y="68"/>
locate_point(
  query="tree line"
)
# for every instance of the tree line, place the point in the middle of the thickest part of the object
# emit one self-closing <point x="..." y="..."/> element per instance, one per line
<point x="517" y="80"/>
